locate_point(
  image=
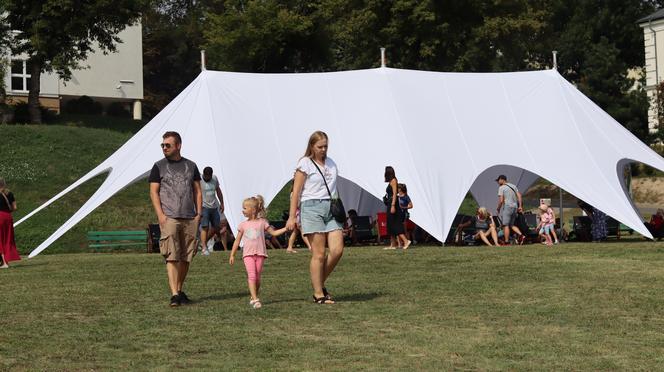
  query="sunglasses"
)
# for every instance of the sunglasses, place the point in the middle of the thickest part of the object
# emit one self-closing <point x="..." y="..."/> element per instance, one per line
<point x="166" y="146"/>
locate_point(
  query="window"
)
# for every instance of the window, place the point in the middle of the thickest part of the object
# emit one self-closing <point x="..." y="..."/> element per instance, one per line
<point x="20" y="78"/>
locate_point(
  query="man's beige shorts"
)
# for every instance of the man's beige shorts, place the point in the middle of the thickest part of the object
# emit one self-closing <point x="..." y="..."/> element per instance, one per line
<point x="178" y="239"/>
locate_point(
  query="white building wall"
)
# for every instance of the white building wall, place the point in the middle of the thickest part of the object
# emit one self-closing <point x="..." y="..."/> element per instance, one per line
<point x="653" y="42"/>
<point x="114" y="75"/>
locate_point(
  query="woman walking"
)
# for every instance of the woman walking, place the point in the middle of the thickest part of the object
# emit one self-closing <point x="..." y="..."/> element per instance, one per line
<point x="8" y="250"/>
<point x="395" y="225"/>
<point x="315" y="174"/>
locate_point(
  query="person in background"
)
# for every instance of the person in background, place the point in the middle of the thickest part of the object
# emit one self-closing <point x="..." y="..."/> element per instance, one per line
<point x="404" y="205"/>
<point x="395" y="225"/>
<point x="349" y="227"/>
<point x="509" y="204"/>
<point x="212" y="210"/>
<point x="484" y="225"/>
<point x="546" y="224"/>
<point x="8" y="251"/>
<point x="656" y="224"/>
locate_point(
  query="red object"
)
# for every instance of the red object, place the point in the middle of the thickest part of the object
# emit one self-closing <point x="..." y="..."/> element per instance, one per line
<point x="657" y="221"/>
<point x="7" y="244"/>
<point x="381" y="222"/>
<point x="410" y="225"/>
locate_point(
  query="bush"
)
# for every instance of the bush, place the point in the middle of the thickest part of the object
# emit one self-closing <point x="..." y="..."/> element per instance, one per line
<point x="83" y="105"/>
<point x="22" y="115"/>
<point x="118" y="109"/>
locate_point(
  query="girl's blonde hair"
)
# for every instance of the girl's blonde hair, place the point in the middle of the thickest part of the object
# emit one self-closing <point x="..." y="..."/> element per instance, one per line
<point x="483" y="212"/>
<point x="258" y="203"/>
<point x="315" y="137"/>
<point x="3" y="186"/>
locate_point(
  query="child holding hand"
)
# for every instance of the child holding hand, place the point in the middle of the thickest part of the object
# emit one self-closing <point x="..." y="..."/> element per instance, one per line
<point x="252" y="233"/>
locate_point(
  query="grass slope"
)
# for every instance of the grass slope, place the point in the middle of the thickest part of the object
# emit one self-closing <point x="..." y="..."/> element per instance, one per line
<point x="573" y="307"/>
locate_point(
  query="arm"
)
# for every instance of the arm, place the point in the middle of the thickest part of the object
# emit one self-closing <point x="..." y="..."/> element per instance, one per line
<point x="236" y="244"/>
<point x="410" y="205"/>
<point x="274" y="232"/>
<point x="13" y="206"/>
<point x="501" y="200"/>
<point x="221" y="200"/>
<point x="393" y="185"/>
<point x="518" y="197"/>
<point x="298" y="184"/>
<point x="198" y="197"/>
<point x="156" y="202"/>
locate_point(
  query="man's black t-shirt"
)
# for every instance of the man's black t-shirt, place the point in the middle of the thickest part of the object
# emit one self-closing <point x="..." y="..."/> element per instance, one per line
<point x="176" y="179"/>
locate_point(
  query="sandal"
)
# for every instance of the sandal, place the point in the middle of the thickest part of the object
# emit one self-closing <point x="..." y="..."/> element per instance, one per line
<point x="323" y="300"/>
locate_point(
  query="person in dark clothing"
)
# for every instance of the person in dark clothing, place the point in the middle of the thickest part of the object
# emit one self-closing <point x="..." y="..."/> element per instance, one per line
<point x="395" y="227"/>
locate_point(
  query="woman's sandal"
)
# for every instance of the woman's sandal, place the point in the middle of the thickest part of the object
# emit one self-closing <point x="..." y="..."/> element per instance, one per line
<point x="323" y="300"/>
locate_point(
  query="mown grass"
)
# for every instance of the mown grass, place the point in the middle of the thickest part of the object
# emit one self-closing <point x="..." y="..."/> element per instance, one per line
<point x="573" y="307"/>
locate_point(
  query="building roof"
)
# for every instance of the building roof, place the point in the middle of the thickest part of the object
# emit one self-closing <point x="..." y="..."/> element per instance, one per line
<point x="652" y="17"/>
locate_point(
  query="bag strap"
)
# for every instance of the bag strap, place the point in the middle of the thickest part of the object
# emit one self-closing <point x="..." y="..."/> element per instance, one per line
<point x="321" y="174"/>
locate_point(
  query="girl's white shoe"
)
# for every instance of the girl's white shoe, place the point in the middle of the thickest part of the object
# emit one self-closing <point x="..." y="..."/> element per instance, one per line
<point x="256" y="304"/>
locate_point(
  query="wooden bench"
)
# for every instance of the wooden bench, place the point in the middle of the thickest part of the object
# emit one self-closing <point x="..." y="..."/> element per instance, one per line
<point x="102" y="239"/>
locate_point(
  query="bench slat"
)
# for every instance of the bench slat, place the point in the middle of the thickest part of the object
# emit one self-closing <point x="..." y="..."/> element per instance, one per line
<point x="115" y="244"/>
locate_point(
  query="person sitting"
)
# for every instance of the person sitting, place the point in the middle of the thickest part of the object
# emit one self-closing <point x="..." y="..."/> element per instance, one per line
<point x="656" y="224"/>
<point x="484" y="225"/>
<point x="349" y="227"/>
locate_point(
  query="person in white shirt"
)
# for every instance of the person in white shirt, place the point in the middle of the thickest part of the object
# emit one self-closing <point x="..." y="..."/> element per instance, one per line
<point x="314" y="184"/>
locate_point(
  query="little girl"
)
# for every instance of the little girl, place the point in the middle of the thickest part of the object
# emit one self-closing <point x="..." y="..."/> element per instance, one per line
<point x="546" y="226"/>
<point x="404" y="205"/>
<point x="252" y="234"/>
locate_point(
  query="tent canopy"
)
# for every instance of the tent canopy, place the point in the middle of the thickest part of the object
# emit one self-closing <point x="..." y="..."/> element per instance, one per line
<point x="440" y="131"/>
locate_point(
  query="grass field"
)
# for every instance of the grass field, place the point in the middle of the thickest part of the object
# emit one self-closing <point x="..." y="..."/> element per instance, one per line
<point x="573" y="307"/>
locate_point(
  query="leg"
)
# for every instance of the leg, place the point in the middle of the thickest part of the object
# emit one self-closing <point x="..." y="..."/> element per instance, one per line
<point x="335" y="241"/>
<point x="404" y="240"/>
<point x="506" y="234"/>
<point x="305" y="239"/>
<point x="553" y="232"/>
<point x="173" y="280"/>
<point x="183" y="269"/>
<point x="223" y="234"/>
<point x="317" y="264"/>
<point x="516" y="230"/>
<point x="494" y="235"/>
<point x="204" y="238"/>
<point x="250" y="266"/>
<point x="483" y="235"/>
<point x="259" y="270"/>
<point x="291" y="240"/>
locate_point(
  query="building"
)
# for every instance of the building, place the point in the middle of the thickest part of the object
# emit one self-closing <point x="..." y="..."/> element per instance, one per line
<point x="106" y="78"/>
<point x="653" y="40"/>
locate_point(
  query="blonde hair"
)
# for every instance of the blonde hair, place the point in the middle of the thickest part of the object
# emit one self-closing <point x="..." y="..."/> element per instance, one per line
<point x="483" y="212"/>
<point x="3" y="186"/>
<point x="258" y="203"/>
<point x="315" y="137"/>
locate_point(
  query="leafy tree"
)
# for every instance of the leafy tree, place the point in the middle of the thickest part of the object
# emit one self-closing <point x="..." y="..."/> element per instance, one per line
<point x="56" y="35"/>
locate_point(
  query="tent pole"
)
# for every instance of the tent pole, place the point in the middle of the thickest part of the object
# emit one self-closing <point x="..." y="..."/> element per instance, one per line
<point x="382" y="57"/>
<point x="203" y="60"/>
<point x="560" y="189"/>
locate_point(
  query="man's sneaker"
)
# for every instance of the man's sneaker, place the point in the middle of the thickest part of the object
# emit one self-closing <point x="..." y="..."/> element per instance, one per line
<point x="175" y="301"/>
<point x="183" y="298"/>
<point x="210" y="246"/>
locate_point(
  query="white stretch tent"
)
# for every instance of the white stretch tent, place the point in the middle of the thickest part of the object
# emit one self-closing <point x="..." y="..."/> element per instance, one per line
<point x="440" y="131"/>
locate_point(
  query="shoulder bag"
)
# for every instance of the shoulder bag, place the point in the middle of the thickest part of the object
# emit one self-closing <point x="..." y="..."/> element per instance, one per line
<point x="336" y="206"/>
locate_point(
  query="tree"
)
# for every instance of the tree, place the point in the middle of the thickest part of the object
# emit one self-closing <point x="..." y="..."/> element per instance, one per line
<point x="56" y="35"/>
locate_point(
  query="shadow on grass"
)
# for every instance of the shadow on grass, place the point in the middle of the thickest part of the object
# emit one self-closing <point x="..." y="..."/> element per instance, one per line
<point x="357" y="297"/>
<point x="221" y="297"/>
<point x="24" y="264"/>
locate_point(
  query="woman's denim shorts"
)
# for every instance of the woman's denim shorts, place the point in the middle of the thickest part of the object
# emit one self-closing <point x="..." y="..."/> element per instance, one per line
<point x="315" y="217"/>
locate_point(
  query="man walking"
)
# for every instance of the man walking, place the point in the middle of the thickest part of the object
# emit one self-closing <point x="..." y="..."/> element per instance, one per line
<point x="176" y="196"/>
<point x="509" y="204"/>
<point x="212" y="208"/>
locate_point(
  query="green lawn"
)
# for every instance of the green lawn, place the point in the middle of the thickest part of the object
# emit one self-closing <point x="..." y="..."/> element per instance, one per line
<point x="572" y="307"/>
